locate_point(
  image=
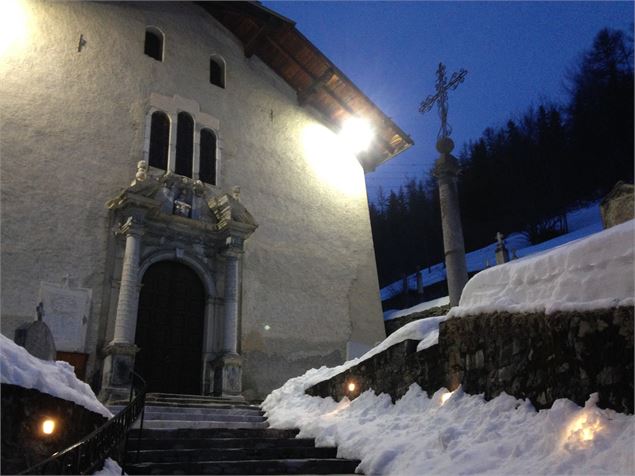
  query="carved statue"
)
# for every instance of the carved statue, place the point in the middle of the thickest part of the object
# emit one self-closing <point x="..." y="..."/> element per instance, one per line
<point x="142" y="172"/>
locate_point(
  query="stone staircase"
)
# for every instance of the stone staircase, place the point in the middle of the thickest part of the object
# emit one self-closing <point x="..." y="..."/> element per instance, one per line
<point x="187" y="434"/>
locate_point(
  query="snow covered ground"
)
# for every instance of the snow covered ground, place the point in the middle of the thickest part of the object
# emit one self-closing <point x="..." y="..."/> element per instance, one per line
<point x="18" y="367"/>
<point x="463" y="434"/>
<point x="583" y="222"/>
<point x="456" y="433"/>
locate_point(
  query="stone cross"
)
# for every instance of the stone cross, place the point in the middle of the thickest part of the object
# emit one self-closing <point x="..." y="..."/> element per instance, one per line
<point x="499" y="238"/>
<point x="441" y="97"/>
<point x="446" y="170"/>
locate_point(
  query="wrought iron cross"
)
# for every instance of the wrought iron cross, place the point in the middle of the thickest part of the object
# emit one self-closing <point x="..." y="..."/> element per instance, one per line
<point x="441" y="97"/>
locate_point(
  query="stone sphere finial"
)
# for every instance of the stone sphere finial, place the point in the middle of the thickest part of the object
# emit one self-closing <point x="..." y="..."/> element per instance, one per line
<point x="445" y="145"/>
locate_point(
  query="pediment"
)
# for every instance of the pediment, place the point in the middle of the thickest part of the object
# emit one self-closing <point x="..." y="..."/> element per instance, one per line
<point x="186" y="202"/>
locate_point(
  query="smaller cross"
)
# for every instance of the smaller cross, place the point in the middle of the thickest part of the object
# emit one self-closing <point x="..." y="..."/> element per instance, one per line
<point x="441" y="97"/>
<point x="499" y="238"/>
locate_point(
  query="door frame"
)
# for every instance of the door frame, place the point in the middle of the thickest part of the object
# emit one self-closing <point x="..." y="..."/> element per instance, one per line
<point x="212" y="331"/>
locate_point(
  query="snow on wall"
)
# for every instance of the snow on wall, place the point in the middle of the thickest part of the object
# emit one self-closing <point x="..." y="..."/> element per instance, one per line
<point x="590" y="273"/>
<point x="582" y="222"/>
<point x="18" y="367"/>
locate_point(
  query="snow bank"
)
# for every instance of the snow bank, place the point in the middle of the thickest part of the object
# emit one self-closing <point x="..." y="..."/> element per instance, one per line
<point x="111" y="468"/>
<point x="582" y="222"/>
<point x="393" y="314"/>
<point x="458" y="433"/>
<point x="590" y="273"/>
<point x="18" y="367"/>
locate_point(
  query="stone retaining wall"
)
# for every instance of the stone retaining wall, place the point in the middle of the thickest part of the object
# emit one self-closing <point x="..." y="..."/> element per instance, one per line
<point x="542" y="358"/>
<point x="23" y="411"/>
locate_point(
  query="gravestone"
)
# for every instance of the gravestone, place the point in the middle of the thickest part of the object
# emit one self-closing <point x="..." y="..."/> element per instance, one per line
<point x="36" y="337"/>
<point x="617" y="206"/>
<point x="67" y="311"/>
<point x="502" y="255"/>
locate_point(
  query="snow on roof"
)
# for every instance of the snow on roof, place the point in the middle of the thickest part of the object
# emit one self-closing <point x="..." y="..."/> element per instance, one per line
<point x="582" y="222"/>
<point x="18" y="367"/>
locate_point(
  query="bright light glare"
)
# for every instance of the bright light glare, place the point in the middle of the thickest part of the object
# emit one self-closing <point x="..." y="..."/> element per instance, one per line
<point x="48" y="426"/>
<point x="445" y="397"/>
<point x="351" y="387"/>
<point x="13" y="24"/>
<point x="583" y="428"/>
<point x="357" y="134"/>
<point x="332" y="162"/>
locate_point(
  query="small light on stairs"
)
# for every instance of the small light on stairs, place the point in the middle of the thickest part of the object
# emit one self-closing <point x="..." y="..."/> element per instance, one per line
<point x="48" y="426"/>
<point x="351" y="387"/>
<point x="267" y="327"/>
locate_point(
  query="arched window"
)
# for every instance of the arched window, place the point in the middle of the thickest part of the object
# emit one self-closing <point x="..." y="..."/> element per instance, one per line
<point x="184" y="144"/>
<point x="154" y="43"/>
<point x="217" y="72"/>
<point x="207" y="157"/>
<point x="159" y="140"/>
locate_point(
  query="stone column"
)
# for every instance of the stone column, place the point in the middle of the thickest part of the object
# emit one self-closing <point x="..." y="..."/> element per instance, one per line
<point x="120" y="352"/>
<point x="230" y="334"/>
<point x="446" y="171"/>
<point x="128" y="304"/>
<point x="228" y="367"/>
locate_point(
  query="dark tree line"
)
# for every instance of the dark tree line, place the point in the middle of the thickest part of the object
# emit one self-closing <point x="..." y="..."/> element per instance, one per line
<point x="527" y="174"/>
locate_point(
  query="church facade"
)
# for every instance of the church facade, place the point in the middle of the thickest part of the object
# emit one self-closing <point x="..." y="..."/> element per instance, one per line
<point x="176" y="195"/>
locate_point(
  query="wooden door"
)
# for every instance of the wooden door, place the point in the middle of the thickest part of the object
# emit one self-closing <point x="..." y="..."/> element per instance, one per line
<point x="170" y="329"/>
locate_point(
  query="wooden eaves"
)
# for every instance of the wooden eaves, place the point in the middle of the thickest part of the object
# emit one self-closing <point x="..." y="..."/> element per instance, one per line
<point x="318" y="82"/>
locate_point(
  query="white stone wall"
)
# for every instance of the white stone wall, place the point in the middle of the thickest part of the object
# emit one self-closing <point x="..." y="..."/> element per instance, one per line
<point x="72" y="131"/>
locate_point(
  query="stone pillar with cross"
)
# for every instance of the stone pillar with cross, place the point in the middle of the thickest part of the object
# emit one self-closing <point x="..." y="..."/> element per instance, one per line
<point x="446" y="170"/>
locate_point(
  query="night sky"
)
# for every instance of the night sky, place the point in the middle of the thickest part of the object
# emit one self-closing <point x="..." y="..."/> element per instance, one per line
<point x="516" y="53"/>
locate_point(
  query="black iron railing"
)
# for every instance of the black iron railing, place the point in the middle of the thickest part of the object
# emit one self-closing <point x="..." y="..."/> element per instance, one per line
<point x="88" y="455"/>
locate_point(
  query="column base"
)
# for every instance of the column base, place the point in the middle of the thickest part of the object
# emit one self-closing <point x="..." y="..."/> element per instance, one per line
<point x="228" y="376"/>
<point x="117" y="376"/>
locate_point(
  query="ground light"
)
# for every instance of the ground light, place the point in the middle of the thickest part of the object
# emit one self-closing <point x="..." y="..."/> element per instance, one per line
<point x="351" y="387"/>
<point x="48" y="426"/>
<point x="445" y="397"/>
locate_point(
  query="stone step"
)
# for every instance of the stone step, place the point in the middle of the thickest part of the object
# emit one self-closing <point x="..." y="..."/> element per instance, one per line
<point x="196" y="424"/>
<point x="206" y="410"/>
<point x="230" y="454"/>
<point x="283" y="466"/>
<point x="190" y="433"/>
<point x="186" y="416"/>
<point x="172" y="397"/>
<point x="195" y="443"/>
<point x="186" y="400"/>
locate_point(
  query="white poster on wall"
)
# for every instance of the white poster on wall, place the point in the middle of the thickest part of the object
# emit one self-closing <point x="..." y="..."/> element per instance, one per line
<point x="66" y="312"/>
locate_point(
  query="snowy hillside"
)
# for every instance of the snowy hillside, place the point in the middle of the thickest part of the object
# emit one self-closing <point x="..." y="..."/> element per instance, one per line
<point x="583" y="222"/>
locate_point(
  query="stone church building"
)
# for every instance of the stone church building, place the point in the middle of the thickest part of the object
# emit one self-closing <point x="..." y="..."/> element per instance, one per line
<point x="176" y="194"/>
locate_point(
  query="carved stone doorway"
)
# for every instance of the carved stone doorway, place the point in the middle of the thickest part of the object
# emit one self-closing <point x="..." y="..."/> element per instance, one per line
<point x="170" y="327"/>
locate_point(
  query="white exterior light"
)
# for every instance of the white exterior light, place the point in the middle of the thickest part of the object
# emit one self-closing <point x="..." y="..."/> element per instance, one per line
<point x="357" y="134"/>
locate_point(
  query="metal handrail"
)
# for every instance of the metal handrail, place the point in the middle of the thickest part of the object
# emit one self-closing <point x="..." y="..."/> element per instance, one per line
<point x="88" y="455"/>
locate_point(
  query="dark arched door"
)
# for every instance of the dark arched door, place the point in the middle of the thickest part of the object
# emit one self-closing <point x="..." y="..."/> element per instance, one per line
<point x="170" y="329"/>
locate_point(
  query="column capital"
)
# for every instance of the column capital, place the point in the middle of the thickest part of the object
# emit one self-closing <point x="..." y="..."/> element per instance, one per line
<point x="132" y="226"/>
<point x="446" y="167"/>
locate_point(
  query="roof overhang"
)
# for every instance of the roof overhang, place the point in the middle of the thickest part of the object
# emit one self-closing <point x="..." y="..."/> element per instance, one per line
<point x="318" y="82"/>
